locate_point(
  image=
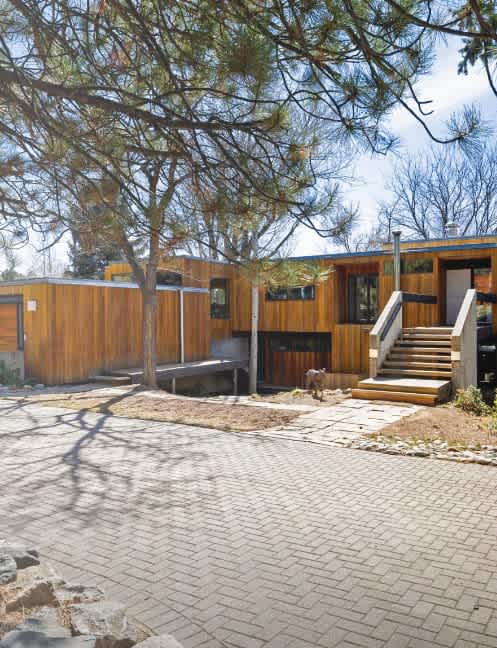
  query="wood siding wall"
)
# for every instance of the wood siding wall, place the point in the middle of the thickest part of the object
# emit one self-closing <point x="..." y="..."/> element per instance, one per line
<point x="79" y="330"/>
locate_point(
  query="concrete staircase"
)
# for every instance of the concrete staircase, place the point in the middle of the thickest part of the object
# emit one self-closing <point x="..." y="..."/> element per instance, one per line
<point x="417" y="369"/>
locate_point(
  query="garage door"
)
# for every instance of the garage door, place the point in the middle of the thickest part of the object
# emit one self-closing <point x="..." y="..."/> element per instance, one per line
<point x="8" y="327"/>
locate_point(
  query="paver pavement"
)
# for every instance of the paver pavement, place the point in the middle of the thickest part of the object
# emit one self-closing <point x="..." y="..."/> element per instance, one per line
<point x="232" y="540"/>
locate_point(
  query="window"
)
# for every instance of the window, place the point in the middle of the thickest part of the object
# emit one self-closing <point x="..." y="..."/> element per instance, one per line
<point x="219" y="299"/>
<point x="167" y="278"/>
<point x="300" y="342"/>
<point x="122" y="277"/>
<point x="298" y="293"/>
<point x="416" y="266"/>
<point x="363" y="298"/>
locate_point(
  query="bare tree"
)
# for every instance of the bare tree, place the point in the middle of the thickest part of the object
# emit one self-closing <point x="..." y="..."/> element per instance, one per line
<point x="429" y="191"/>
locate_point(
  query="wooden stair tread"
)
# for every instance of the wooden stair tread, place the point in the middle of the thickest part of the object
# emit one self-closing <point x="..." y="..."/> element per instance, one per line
<point x="407" y="364"/>
<point x="402" y="397"/>
<point x="421" y="349"/>
<point x="422" y="357"/>
<point x="405" y="384"/>
<point x="416" y="372"/>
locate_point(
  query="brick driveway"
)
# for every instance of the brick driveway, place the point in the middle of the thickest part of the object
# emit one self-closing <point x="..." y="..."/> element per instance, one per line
<point x="230" y="540"/>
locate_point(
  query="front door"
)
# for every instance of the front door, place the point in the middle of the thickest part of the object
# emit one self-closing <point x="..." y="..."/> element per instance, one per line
<point x="458" y="282"/>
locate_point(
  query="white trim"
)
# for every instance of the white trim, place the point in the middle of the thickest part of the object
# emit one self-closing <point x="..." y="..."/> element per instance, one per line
<point x="99" y="283"/>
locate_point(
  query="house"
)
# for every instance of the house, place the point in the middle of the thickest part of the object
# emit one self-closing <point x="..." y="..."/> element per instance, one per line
<point x="354" y="323"/>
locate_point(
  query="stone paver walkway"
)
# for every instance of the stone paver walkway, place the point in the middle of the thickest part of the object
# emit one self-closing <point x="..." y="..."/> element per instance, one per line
<point x="341" y="423"/>
<point x="233" y="540"/>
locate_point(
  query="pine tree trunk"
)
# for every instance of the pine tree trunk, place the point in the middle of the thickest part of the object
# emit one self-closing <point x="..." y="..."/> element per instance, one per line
<point x="253" y="337"/>
<point x="149" y="296"/>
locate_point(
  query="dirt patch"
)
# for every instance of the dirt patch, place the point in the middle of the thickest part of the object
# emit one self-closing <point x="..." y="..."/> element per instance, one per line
<point x="446" y="423"/>
<point x="303" y="397"/>
<point x="238" y="418"/>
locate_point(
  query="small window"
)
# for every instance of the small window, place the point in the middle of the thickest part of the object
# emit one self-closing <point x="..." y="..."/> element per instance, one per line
<point x="167" y="278"/>
<point x="363" y="298"/>
<point x="219" y="299"/>
<point x="122" y="277"/>
<point x="417" y="266"/>
<point x="297" y="293"/>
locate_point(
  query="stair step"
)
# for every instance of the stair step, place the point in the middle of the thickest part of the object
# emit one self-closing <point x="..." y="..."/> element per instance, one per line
<point x="425" y="342"/>
<point x="421" y="357"/>
<point x="432" y="373"/>
<point x="403" y="384"/>
<point x="425" y="336"/>
<point x="413" y="348"/>
<point x="411" y="364"/>
<point x="444" y="330"/>
<point x="402" y="397"/>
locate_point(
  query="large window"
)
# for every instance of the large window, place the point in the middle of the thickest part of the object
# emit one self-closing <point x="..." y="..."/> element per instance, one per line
<point x="168" y="278"/>
<point x="300" y="342"/>
<point x="220" y="307"/>
<point x="297" y="293"/>
<point x="164" y="278"/>
<point x="363" y="298"/>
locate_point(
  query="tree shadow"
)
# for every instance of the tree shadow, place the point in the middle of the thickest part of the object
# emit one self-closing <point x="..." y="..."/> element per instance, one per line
<point x="94" y="465"/>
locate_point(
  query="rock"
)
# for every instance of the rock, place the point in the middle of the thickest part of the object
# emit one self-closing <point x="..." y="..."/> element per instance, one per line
<point x="418" y="452"/>
<point x="38" y="594"/>
<point x="69" y="593"/>
<point x="8" y="569"/>
<point x="45" y="620"/>
<point x="39" y="386"/>
<point x="161" y="641"/>
<point x="24" y="555"/>
<point x="32" y="639"/>
<point x="107" y="622"/>
<point x="27" y="387"/>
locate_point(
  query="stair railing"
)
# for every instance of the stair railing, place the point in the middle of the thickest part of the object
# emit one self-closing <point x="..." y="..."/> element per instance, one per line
<point x="385" y="332"/>
<point x="389" y="325"/>
<point x="464" y="343"/>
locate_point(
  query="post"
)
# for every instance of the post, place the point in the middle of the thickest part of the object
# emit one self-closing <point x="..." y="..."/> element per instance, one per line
<point x="181" y="326"/>
<point x="173" y="385"/>
<point x="396" y="259"/>
<point x="235" y="382"/>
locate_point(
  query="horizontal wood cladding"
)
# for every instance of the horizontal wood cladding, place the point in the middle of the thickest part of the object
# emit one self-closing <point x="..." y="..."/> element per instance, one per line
<point x="79" y="330"/>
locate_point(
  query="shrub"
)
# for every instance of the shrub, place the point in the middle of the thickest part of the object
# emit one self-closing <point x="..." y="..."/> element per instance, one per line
<point x="470" y="400"/>
<point x="8" y="376"/>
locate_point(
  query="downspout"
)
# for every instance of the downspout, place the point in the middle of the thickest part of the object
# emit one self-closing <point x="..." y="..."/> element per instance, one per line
<point x="396" y="259"/>
<point x="181" y="326"/>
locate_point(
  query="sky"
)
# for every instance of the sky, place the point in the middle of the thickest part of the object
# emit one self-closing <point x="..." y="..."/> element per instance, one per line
<point x="448" y="92"/>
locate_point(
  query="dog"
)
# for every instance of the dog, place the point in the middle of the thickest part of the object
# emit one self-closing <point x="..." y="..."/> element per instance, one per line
<point x="315" y="382"/>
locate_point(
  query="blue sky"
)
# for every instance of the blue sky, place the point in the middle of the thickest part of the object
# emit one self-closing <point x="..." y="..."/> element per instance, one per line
<point x="448" y="91"/>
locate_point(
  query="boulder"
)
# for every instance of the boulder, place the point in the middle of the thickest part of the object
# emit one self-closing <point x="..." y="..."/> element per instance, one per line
<point x="24" y="555"/>
<point x="107" y="622"/>
<point x="46" y="621"/>
<point x="68" y="593"/>
<point x="33" y="639"/>
<point x="38" y="594"/>
<point x="161" y="641"/>
<point x="8" y="569"/>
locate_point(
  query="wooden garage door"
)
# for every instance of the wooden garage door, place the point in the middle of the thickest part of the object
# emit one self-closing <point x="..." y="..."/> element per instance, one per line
<point x="8" y="327"/>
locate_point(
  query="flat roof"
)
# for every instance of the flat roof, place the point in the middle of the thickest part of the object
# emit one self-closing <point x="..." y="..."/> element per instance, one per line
<point x="419" y="250"/>
<point x="100" y="283"/>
